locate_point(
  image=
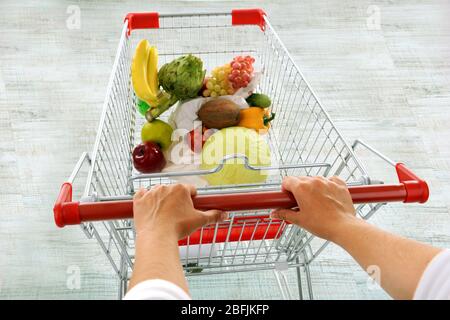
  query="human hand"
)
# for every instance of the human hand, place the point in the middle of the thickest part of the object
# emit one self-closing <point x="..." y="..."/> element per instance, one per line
<point x="168" y="210"/>
<point x="324" y="205"/>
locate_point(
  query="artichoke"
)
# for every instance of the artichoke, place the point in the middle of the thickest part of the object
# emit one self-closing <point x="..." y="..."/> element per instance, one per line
<point x="183" y="77"/>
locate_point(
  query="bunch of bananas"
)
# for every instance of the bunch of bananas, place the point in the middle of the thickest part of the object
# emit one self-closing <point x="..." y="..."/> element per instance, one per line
<point x="144" y="73"/>
<point x="144" y="76"/>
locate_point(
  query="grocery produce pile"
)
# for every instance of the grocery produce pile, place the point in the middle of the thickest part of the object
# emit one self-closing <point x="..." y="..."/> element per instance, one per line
<point x="214" y="116"/>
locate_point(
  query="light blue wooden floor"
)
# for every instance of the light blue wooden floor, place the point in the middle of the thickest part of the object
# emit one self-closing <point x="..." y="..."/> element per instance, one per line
<point x="390" y="87"/>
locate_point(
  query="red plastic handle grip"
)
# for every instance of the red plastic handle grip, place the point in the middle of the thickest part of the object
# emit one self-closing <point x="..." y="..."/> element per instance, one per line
<point x="411" y="188"/>
<point x="67" y="212"/>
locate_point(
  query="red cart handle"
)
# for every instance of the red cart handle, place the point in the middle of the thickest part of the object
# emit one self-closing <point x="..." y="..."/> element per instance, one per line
<point x="409" y="189"/>
<point x="150" y="20"/>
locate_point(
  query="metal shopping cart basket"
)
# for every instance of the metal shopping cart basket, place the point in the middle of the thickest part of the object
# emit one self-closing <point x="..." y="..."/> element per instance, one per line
<point x="305" y="140"/>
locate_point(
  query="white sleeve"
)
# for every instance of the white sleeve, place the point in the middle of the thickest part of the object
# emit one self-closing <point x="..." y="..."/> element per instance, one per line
<point x="156" y="289"/>
<point x="435" y="281"/>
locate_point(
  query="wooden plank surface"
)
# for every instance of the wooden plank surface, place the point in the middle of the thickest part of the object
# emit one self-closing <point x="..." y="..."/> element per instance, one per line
<point x="388" y="85"/>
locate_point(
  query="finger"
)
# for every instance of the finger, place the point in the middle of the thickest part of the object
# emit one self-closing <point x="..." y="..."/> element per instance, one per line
<point x="183" y="188"/>
<point x="338" y="181"/>
<point x="155" y="190"/>
<point x="139" y="194"/>
<point x="289" y="183"/>
<point x="292" y="183"/>
<point x="157" y="187"/>
<point x="192" y="189"/>
<point x="292" y="216"/>
<point x="213" y="216"/>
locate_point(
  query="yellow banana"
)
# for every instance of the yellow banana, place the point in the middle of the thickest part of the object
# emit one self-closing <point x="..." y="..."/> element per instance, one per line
<point x="139" y="76"/>
<point x="152" y="71"/>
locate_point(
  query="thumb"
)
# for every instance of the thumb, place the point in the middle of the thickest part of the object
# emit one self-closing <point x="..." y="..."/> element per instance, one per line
<point x="213" y="216"/>
<point x="291" y="216"/>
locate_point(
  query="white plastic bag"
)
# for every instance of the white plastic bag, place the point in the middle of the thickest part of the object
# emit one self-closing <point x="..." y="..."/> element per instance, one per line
<point x="185" y="114"/>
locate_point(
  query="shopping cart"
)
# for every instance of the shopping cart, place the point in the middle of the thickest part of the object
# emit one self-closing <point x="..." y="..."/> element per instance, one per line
<point x="303" y="137"/>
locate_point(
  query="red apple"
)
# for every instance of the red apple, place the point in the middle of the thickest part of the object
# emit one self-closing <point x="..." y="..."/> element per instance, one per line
<point x="148" y="158"/>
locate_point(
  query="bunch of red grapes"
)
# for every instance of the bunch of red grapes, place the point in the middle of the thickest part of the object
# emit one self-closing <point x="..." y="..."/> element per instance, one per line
<point x="241" y="71"/>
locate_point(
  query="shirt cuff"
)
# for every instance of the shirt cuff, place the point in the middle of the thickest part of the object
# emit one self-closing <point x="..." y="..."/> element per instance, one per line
<point x="435" y="281"/>
<point x="156" y="289"/>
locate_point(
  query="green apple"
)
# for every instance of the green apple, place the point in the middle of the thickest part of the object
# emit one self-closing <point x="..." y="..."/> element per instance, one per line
<point x="159" y="132"/>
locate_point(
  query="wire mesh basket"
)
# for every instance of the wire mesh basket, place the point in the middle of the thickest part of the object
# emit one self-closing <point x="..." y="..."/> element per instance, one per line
<point x="303" y="138"/>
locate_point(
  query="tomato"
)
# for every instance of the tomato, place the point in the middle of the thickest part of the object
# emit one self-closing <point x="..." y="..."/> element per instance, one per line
<point x="198" y="137"/>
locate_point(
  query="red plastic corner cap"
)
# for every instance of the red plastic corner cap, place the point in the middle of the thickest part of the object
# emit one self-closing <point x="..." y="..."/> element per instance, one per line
<point x="248" y="16"/>
<point x="416" y="191"/>
<point x="64" y="211"/>
<point x="65" y="195"/>
<point x="142" y="20"/>
<point x="416" y="188"/>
